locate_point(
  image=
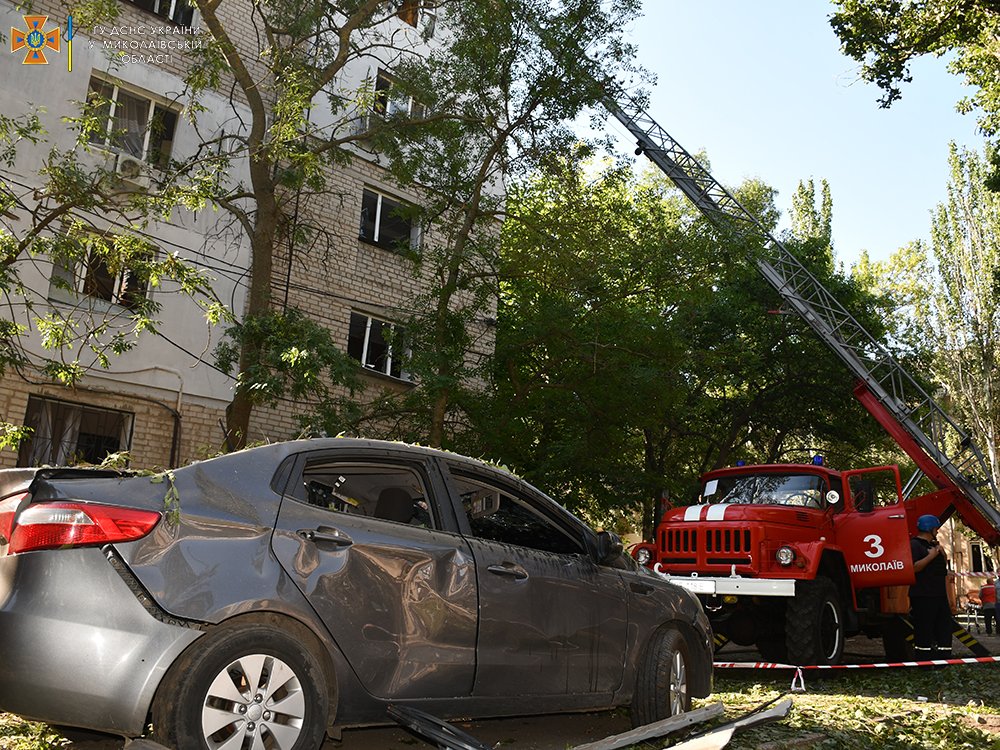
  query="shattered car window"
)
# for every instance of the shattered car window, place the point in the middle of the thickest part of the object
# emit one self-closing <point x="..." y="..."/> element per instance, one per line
<point x="391" y="493"/>
<point x="501" y="516"/>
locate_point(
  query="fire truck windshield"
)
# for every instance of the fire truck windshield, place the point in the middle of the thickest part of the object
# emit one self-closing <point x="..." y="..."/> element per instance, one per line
<point x="805" y="490"/>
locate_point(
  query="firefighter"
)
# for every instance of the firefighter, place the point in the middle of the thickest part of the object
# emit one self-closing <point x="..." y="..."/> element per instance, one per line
<point x="988" y="597"/>
<point x="929" y="607"/>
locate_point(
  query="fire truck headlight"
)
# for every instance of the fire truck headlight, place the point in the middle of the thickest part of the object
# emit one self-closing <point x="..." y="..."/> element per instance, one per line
<point x="785" y="555"/>
<point x="643" y="556"/>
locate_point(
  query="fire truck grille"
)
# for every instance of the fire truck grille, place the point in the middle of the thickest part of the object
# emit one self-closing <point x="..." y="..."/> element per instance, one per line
<point x="717" y="541"/>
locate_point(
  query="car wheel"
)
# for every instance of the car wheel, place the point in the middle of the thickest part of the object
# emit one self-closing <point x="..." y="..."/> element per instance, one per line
<point x="662" y="684"/>
<point x="246" y="686"/>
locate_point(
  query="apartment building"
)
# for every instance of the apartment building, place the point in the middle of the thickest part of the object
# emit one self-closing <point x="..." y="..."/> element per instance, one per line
<point x="163" y="401"/>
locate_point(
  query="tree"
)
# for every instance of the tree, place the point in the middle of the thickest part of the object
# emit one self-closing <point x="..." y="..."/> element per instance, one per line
<point x="809" y="221"/>
<point x="885" y="36"/>
<point x="942" y="302"/>
<point x="965" y="236"/>
<point x="637" y="349"/>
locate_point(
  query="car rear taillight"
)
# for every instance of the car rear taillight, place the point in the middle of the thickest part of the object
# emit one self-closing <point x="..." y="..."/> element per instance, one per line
<point x="59" y="525"/>
<point x="8" y="509"/>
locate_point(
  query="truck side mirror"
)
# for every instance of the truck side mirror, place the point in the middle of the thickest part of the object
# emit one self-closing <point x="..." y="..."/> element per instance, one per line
<point x="832" y="497"/>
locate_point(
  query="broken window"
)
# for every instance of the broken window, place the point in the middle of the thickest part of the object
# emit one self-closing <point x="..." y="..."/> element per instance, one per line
<point x="66" y="433"/>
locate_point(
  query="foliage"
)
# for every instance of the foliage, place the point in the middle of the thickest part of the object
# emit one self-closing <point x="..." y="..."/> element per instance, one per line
<point x="490" y="101"/>
<point x="511" y="99"/>
<point x="965" y="237"/>
<point x="885" y="36"/>
<point x="873" y="708"/>
<point x="943" y="301"/>
<point x="627" y="366"/>
<point x="19" y="734"/>
<point x="809" y="221"/>
<point x="80" y="215"/>
<point x="298" y="357"/>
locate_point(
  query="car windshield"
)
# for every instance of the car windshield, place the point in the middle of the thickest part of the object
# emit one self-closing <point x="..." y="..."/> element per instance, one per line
<point x="804" y="490"/>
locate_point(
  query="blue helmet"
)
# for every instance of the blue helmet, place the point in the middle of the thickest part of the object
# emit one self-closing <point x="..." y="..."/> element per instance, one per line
<point x="928" y="523"/>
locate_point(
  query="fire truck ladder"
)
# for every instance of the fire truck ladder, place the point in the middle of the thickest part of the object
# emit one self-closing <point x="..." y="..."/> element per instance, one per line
<point x="949" y="448"/>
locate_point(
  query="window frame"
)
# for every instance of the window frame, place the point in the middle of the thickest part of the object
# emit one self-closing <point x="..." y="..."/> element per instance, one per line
<point x="538" y="505"/>
<point x="984" y="564"/>
<point x="376" y="222"/>
<point x="386" y="105"/>
<point x="28" y="450"/>
<point x="368" y="363"/>
<point x="79" y="278"/>
<point x="107" y="140"/>
<point x="423" y="14"/>
<point x="173" y="5"/>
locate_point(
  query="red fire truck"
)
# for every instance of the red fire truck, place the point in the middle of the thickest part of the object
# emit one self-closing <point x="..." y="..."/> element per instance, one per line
<point x="794" y="558"/>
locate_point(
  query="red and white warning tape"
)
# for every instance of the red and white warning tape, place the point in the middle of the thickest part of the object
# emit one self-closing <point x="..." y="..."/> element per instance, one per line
<point x="876" y="665"/>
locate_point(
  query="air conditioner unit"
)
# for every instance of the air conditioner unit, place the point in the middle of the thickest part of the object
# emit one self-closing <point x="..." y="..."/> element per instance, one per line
<point x="131" y="170"/>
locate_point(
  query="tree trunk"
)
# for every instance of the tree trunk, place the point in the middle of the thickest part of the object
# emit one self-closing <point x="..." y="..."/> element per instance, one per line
<point x="258" y="303"/>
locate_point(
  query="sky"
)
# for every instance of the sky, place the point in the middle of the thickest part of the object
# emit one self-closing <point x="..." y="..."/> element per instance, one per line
<point x="764" y="90"/>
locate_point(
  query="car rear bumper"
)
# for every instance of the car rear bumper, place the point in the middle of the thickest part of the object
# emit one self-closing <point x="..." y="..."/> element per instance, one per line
<point x="79" y="649"/>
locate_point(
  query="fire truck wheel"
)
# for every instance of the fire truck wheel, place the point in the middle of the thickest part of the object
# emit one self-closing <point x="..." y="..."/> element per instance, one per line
<point x="662" y="684"/>
<point x="814" y="623"/>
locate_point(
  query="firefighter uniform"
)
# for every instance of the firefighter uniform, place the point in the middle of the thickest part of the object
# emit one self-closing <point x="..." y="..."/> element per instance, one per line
<point x="929" y="606"/>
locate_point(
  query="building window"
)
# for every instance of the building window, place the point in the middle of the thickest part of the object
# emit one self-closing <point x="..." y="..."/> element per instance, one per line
<point x="135" y="125"/>
<point x="981" y="560"/>
<point x="178" y="11"/>
<point x="384" y="221"/>
<point x="376" y="345"/>
<point x="65" y="433"/>
<point x="94" y="278"/>
<point x="420" y="14"/>
<point x="389" y="101"/>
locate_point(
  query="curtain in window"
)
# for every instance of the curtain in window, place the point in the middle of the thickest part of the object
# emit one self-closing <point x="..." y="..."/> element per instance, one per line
<point x="68" y="437"/>
<point x="41" y="436"/>
<point x="131" y="119"/>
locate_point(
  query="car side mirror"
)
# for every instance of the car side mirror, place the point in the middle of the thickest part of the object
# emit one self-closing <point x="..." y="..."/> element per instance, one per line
<point x="609" y="547"/>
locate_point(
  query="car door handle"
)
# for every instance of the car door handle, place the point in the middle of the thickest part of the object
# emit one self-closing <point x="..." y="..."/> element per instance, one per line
<point x="509" y="570"/>
<point x="326" y="535"/>
<point x="641" y="588"/>
<point x="897" y="515"/>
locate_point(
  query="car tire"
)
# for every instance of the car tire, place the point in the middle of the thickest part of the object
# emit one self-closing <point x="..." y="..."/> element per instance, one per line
<point x="662" y="685"/>
<point x="814" y="624"/>
<point x="250" y="679"/>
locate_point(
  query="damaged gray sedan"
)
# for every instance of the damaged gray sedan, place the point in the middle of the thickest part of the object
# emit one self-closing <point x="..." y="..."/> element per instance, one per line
<point x="267" y="597"/>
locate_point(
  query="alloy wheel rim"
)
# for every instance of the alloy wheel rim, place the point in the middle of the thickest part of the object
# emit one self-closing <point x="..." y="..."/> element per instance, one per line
<point x="255" y="703"/>
<point x="678" y="684"/>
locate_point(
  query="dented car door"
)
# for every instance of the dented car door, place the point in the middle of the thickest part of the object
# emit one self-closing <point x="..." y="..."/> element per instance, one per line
<point x="552" y="622"/>
<point x="365" y="541"/>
